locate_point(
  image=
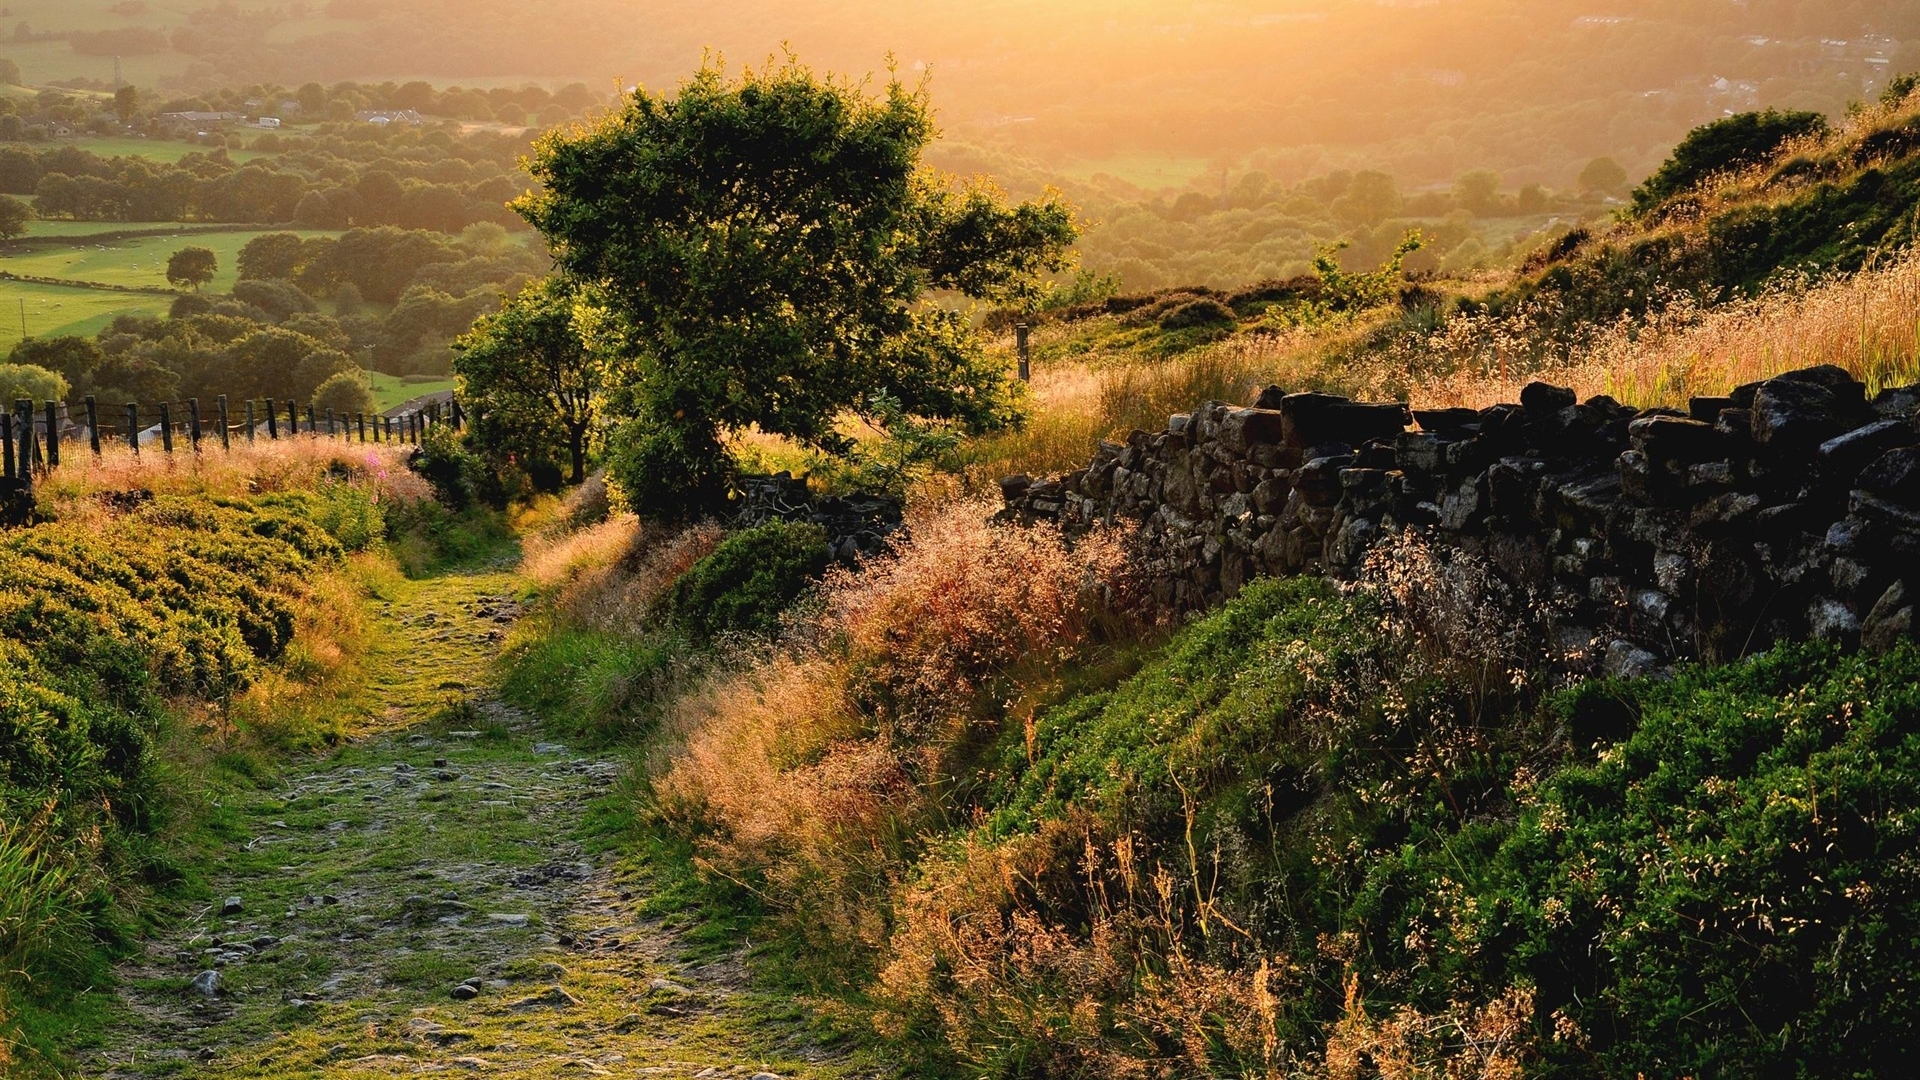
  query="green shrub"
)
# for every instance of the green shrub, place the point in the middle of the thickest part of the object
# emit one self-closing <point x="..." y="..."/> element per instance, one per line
<point x="1202" y="312"/>
<point x="748" y="581"/>
<point x="1723" y="146"/>
<point x="1728" y="891"/>
<point x="453" y="471"/>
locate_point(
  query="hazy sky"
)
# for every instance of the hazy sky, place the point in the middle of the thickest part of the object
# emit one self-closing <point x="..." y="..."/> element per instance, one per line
<point x="1149" y="91"/>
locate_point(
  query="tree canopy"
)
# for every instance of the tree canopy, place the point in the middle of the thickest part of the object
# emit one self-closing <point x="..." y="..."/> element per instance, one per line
<point x="193" y="266"/>
<point x="14" y="216"/>
<point x="766" y="246"/>
<point x="530" y="378"/>
<point x="26" y="381"/>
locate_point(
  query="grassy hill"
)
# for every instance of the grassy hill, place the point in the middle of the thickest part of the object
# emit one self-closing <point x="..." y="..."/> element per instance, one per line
<point x="1834" y="199"/>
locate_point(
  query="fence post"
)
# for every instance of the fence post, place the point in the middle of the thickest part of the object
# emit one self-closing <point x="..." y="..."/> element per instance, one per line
<point x="273" y="419"/>
<point x="6" y="437"/>
<point x="1020" y="331"/>
<point x="23" y="461"/>
<point x="226" y="428"/>
<point x="293" y="418"/>
<point x="93" y="424"/>
<point x="166" y="428"/>
<point x="330" y="431"/>
<point x="193" y="423"/>
<point x="133" y="426"/>
<point x="53" y="434"/>
<point x="250" y="421"/>
<point x="313" y="427"/>
<point x="459" y="419"/>
<point x="360" y="420"/>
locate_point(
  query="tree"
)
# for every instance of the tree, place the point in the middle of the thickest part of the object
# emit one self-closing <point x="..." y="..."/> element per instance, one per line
<point x="1603" y="176"/>
<point x="764" y="247"/>
<point x="193" y="266"/>
<point x="1371" y="198"/>
<point x="126" y="104"/>
<point x="530" y="377"/>
<point x="14" y="216"/>
<point x="19" y="172"/>
<point x="72" y="358"/>
<point x="345" y="392"/>
<point x="19" y="381"/>
<point x="272" y="362"/>
<point x="1478" y="192"/>
<point x="276" y="256"/>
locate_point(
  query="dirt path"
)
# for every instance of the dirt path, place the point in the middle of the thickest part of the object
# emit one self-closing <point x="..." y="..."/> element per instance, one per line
<point x="425" y="901"/>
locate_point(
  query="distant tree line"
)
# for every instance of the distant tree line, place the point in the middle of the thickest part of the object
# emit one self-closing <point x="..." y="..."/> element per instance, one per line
<point x="432" y="181"/>
<point x="269" y="336"/>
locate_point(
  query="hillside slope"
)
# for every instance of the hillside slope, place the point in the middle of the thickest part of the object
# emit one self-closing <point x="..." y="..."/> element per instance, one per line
<point x="1834" y="199"/>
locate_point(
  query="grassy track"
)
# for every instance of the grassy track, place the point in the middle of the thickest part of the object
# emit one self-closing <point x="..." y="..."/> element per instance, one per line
<point x="449" y="843"/>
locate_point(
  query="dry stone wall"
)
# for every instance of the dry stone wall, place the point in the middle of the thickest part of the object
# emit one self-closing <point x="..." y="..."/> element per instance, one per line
<point x="1788" y="509"/>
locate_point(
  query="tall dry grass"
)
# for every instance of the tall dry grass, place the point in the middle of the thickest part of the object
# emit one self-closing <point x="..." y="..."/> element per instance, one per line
<point x="247" y="469"/>
<point x="1072" y="405"/>
<point x="812" y="772"/>
<point x="606" y="577"/>
<point x="1867" y="322"/>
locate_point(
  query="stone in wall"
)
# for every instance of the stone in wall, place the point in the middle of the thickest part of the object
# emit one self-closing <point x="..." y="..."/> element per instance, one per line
<point x="857" y="525"/>
<point x="1789" y="508"/>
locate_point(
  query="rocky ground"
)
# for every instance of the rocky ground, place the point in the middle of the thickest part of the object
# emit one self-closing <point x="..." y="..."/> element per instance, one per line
<point x="430" y="899"/>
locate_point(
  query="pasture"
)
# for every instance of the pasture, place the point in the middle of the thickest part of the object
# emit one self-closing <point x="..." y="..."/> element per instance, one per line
<point x="60" y="310"/>
<point x="57" y="227"/>
<point x="163" y="150"/>
<point x="140" y="261"/>
<point x="391" y="390"/>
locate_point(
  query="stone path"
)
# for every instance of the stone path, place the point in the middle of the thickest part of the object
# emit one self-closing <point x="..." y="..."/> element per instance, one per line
<point x="427" y="901"/>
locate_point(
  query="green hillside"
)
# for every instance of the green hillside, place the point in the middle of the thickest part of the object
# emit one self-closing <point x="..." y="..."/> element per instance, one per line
<point x="1830" y="200"/>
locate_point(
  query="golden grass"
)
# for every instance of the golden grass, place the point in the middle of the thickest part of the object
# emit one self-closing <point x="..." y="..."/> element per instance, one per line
<point x="810" y="768"/>
<point x="247" y="469"/>
<point x="608" y="576"/>
<point x="1867" y="322"/>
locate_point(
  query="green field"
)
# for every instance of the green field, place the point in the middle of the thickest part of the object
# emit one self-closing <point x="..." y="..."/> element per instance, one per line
<point x="389" y="390"/>
<point x="55" y="310"/>
<point x="142" y="261"/>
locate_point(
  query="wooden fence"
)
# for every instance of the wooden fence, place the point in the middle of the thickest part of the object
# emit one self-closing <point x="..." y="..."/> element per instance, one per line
<point x="31" y="445"/>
